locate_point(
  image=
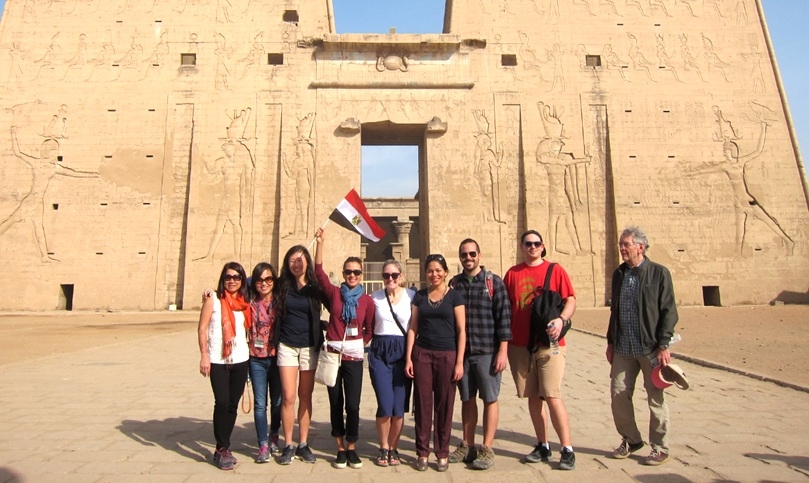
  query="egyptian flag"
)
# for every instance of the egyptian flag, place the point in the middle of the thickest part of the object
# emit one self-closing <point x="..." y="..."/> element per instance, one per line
<point x="351" y="214"/>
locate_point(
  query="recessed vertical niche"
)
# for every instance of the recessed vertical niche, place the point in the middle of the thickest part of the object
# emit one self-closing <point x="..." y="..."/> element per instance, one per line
<point x="65" y="297"/>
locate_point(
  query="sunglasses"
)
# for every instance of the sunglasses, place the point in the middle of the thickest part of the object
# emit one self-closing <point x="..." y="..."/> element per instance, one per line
<point x="356" y="273"/>
<point x="469" y="255"/>
<point x="388" y="276"/>
<point x="433" y="258"/>
<point x="235" y="278"/>
<point x="529" y="244"/>
<point x="267" y="280"/>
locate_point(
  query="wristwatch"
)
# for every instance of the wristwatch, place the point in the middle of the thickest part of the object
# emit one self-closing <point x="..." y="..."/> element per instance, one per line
<point x="664" y="347"/>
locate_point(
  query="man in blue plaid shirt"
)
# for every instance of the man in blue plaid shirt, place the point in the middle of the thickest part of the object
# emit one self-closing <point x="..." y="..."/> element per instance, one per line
<point x="488" y="330"/>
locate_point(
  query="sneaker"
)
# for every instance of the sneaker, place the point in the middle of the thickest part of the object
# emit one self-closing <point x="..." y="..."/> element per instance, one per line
<point x="540" y="454"/>
<point x="656" y="458"/>
<point x="393" y="458"/>
<point x="274" y="449"/>
<point x="223" y="460"/>
<point x="463" y="453"/>
<point x="485" y="458"/>
<point x="567" y="459"/>
<point x="304" y="454"/>
<point x="341" y="460"/>
<point x="626" y="448"/>
<point x="354" y="460"/>
<point x="287" y="455"/>
<point x="263" y="454"/>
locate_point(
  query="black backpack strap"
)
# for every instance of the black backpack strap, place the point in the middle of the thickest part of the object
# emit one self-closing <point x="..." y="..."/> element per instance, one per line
<point x="533" y="334"/>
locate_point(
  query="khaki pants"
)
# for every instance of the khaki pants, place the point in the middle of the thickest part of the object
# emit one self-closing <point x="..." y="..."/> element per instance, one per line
<point x="623" y="375"/>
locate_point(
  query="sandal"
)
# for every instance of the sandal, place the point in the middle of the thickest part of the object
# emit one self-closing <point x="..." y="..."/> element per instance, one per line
<point x="393" y="457"/>
<point x="382" y="459"/>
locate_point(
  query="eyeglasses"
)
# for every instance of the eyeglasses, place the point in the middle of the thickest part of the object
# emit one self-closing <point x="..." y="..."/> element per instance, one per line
<point x="235" y="278"/>
<point x="626" y="245"/>
<point x="356" y="273"/>
<point x="267" y="280"/>
<point x="529" y="244"/>
<point x="469" y="255"/>
<point x="393" y="275"/>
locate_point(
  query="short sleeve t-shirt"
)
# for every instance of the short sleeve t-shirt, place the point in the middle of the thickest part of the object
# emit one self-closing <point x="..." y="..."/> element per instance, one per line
<point x="296" y="326"/>
<point x="437" y="324"/>
<point x="523" y="283"/>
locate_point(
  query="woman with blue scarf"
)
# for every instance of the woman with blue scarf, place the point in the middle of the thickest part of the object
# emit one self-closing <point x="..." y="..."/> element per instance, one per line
<point x="351" y="326"/>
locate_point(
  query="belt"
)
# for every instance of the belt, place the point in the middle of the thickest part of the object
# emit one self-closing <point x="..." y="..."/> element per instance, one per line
<point x="345" y="357"/>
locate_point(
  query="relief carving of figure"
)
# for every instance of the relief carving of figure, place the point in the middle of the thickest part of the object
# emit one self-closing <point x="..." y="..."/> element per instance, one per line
<point x="659" y="4"/>
<point x="636" y="3"/>
<point x="236" y="168"/>
<point x="302" y="171"/>
<point x="529" y="57"/>
<point x="79" y="59"/>
<point x="104" y="58"/>
<point x="733" y="164"/>
<point x="556" y="55"/>
<point x="688" y="58"/>
<point x="713" y="60"/>
<point x="130" y="58"/>
<point x="613" y="61"/>
<point x="17" y="71"/>
<point x="487" y="168"/>
<point x="687" y="4"/>
<point x="757" y="73"/>
<point x="639" y="62"/>
<point x="32" y="206"/>
<point x="52" y="55"/>
<point x="563" y="190"/>
<point x="664" y="58"/>
<point x="160" y="51"/>
<point x="239" y="123"/>
<point x="256" y="55"/>
<point x="392" y="62"/>
<point x="223" y="54"/>
<point x="741" y="14"/>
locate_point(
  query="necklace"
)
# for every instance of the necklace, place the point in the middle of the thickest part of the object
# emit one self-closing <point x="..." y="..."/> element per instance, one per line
<point x="435" y="305"/>
<point x="392" y="296"/>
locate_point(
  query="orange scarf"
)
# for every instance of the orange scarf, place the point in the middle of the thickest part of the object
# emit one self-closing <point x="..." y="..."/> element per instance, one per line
<point x="229" y="304"/>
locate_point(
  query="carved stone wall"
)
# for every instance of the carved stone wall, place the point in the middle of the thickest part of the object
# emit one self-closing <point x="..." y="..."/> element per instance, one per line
<point x="147" y="143"/>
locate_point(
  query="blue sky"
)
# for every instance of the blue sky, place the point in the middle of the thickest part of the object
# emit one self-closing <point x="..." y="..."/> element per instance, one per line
<point x="785" y="18"/>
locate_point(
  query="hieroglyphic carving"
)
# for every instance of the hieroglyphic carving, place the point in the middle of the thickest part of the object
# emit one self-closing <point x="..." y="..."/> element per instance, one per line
<point x="223" y="54"/>
<point x="586" y="6"/>
<point x="712" y="59"/>
<point x="660" y="5"/>
<point x="636" y="3"/>
<point x="103" y="59"/>
<point x="79" y="59"/>
<point x="741" y="14"/>
<point x="130" y="58"/>
<point x="688" y="58"/>
<point x="236" y="169"/>
<point x="564" y="197"/>
<point x="301" y="170"/>
<point x="16" y="73"/>
<point x="223" y="11"/>
<point x="639" y="62"/>
<point x="613" y="61"/>
<point x="688" y="6"/>
<point x="255" y="56"/>
<point x="487" y="168"/>
<point x="556" y="56"/>
<point x="31" y="207"/>
<point x="51" y="56"/>
<point x="756" y="72"/>
<point x="664" y="58"/>
<point x="733" y="164"/>
<point x="529" y="58"/>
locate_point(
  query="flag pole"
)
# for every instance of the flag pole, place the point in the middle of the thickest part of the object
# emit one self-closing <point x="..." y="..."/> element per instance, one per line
<point x="315" y="238"/>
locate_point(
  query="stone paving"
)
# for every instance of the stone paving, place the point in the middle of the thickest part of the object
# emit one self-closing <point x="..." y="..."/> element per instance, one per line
<point x="139" y="411"/>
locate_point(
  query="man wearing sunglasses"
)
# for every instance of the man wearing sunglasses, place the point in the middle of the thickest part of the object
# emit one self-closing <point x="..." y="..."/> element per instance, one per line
<point x="538" y="375"/>
<point x="488" y="330"/>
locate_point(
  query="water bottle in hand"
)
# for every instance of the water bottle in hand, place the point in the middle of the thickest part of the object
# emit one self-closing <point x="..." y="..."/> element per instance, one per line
<point x="554" y="342"/>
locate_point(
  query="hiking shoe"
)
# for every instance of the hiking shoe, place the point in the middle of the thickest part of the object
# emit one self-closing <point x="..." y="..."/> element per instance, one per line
<point x="656" y="458"/>
<point x="567" y="459"/>
<point x="274" y="449"/>
<point x="393" y="457"/>
<point x="540" y="454"/>
<point x="354" y="460"/>
<point x="263" y="454"/>
<point x="463" y="453"/>
<point x="304" y="454"/>
<point x="287" y="455"/>
<point x="626" y="448"/>
<point x="223" y="460"/>
<point x="341" y="460"/>
<point x="485" y="458"/>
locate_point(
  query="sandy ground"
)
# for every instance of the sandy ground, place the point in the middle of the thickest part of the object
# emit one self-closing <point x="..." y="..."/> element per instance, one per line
<point x="765" y="340"/>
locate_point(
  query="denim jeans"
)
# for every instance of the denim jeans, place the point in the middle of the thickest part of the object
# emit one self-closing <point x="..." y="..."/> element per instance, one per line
<point x="264" y="376"/>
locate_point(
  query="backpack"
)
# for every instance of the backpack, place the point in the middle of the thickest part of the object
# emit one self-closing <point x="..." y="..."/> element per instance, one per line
<point x="546" y="306"/>
<point x="489" y="282"/>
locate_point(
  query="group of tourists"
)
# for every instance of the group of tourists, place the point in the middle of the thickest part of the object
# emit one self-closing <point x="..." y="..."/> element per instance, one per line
<point x="456" y="335"/>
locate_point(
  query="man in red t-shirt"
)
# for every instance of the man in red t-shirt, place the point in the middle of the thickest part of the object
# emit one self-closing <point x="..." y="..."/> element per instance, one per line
<point x="538" y="375"/>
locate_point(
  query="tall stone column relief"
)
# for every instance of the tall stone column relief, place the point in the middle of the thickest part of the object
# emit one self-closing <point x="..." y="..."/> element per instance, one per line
<point x="403" y="228"/>
<point x="300" y="170"/>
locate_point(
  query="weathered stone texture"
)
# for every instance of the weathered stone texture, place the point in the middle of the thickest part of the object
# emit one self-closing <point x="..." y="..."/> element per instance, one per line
<point x="572" y="118"/>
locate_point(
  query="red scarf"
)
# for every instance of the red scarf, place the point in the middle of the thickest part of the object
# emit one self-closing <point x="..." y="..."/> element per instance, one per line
<point x="229" y="304"/>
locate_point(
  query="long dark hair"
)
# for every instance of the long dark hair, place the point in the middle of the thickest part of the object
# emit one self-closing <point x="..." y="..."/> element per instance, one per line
<point x="237" y="267"/>
<point x="260" y="268"/>
<point x="287" y="279"/>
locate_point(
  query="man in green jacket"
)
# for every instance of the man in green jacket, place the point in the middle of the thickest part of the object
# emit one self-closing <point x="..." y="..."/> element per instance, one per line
<point x="642" y="319"/>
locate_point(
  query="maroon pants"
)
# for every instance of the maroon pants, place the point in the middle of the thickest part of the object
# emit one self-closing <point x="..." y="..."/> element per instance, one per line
<point x="434" y="390"/>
